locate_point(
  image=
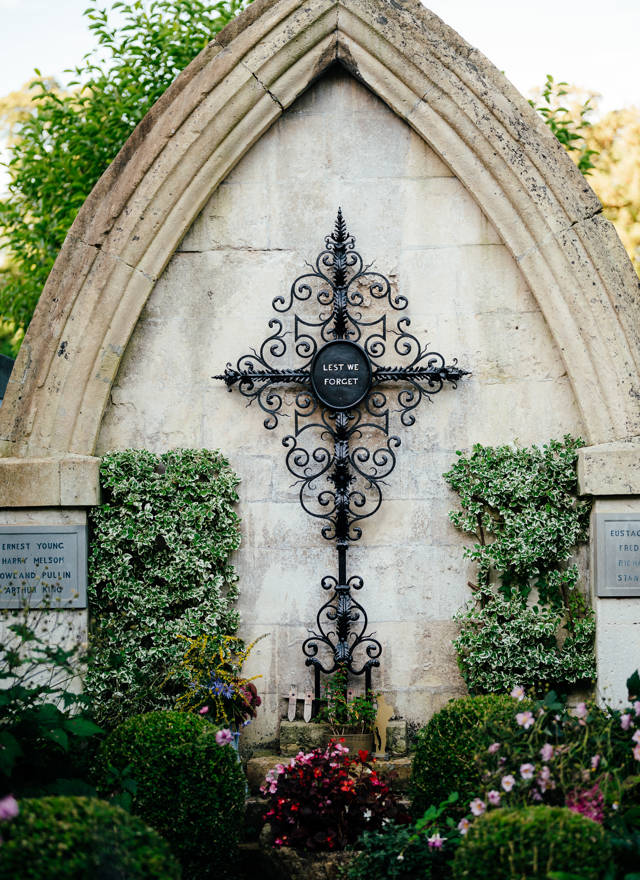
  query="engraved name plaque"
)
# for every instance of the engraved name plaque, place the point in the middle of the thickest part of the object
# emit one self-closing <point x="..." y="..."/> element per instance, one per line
<point x="43" y="566"/>
<point x="618" y="554"/>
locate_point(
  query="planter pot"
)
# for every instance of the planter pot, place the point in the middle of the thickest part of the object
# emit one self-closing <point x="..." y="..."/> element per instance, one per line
<point x="355" y="742"/>
<point x="292" y="864"/>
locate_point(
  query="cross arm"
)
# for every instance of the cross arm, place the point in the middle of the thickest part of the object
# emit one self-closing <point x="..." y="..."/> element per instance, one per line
<point x="248" y="379"/>
<point x="432" y="374"/>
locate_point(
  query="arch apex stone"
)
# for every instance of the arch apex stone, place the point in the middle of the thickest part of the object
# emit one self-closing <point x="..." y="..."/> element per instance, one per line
<point x="450" y="95"/>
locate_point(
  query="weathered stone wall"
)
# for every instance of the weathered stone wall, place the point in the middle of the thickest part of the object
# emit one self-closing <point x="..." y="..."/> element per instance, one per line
<point x="340" y="145"/>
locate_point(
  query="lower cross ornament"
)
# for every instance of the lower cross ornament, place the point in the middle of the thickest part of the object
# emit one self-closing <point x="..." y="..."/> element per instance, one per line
<point x="341" y="379"/>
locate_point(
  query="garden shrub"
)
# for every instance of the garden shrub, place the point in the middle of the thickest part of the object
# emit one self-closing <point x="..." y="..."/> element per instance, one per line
<point x="408" y="852"/>
<point x="158" y="569"/>
<point x="46" y="730"/>
<point x="446" y="747"/>
<point x="75" y="838"/>
<point x="187" y="787"/>
<point x="521" y="506"/>
<point x="531" y="842"/>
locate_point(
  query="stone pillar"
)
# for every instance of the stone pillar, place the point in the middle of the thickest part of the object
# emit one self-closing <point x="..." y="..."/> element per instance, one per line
<point x="611" y="474"/>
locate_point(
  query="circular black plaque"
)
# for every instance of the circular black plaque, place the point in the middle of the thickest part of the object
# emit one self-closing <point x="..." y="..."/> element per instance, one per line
<point x="341" y="374"/>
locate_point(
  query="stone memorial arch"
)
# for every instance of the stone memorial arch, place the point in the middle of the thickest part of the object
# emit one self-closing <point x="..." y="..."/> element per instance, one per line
<point x="452" y="182"/>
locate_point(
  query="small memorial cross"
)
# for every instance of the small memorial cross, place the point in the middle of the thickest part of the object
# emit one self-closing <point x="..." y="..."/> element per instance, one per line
<point x="339" y="393"/>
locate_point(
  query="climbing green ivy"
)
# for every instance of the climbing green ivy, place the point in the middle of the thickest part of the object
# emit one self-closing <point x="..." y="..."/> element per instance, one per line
<point x="158" y="568"/>
<point x="528" y="622"/>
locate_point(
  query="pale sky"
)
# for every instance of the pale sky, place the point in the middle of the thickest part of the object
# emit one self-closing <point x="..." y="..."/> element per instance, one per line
<point x="588" y="43"/>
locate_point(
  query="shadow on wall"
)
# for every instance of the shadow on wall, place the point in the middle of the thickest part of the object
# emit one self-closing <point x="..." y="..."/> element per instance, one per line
<point x="6" y="365"/>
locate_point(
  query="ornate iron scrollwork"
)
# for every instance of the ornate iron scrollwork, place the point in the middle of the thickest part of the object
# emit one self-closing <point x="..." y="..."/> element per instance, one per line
<point x="341" y="372"/>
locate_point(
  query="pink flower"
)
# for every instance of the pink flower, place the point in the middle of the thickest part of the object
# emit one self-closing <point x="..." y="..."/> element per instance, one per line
<point x="595" y="760"/>
<point x="636" y="707"/>
<point x="589" y="802"/>
<point x="636" y="737"/>
<point x="526" y="771"/>
<point x="204" y="710"/>
<point x="544" y="779"/>
<point x="518" y="693"/>
<point x="494" y="798"/>
<point x="625" y="721"/>
<point x="224" y="737"/>
<point x="493" y="748"/>
<point x="507" y="782"/>
<point x="463" y="826"/>
<point x="9" y="808"/>
<point x="636" y="752"/>
<point x="525" y="719"/>
<point x="546" y="752"/>
<point x="581" y="710"/>
<point x="435" y="841"/>
<point x="477" y="807"/>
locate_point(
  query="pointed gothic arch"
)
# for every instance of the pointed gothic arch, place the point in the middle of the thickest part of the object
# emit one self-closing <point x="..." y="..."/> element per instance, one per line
<point x="220" y="106"/>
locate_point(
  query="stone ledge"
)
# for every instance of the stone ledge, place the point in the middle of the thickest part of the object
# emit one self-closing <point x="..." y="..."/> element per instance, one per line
<point x="609" y="469"/>
<point x="63" y="481"/>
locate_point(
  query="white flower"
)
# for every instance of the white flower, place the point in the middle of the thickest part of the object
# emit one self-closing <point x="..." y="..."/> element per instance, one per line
<point x="508" y="782"/>
<point x="477" y="807"/>
<point x="526" y="771"/>
<point x="525" y="719"/>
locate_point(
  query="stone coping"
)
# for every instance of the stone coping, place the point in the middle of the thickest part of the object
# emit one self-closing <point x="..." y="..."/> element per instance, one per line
<point x="609" y="469"/>
<point x="62" y="481"/>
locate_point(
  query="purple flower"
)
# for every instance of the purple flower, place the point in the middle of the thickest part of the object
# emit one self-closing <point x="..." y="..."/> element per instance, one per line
<point x="224" y="737"/>
<point x="595" y="760"/>
<point x="494" y="798"/>
<point x="625" y="721"/>
<point x="435" y="841"/>
<point x="9" y="808"/>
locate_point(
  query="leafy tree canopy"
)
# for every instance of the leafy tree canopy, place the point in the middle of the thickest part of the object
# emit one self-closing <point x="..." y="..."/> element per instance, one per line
<point x="63" y="140"/>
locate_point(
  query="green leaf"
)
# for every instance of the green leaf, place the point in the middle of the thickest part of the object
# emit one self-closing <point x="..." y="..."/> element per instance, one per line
<point x="57" y="735"/>
<point x="82" y="727"/>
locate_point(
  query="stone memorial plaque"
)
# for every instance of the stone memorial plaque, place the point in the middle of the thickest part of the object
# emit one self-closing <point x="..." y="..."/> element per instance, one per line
<point x="341" y="374"/>
<point x="43" y="566"/>
<point x="618" y="554"/>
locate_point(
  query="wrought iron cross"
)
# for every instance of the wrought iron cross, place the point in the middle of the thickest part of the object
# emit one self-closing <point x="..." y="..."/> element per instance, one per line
<point x="340" y="377"/>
